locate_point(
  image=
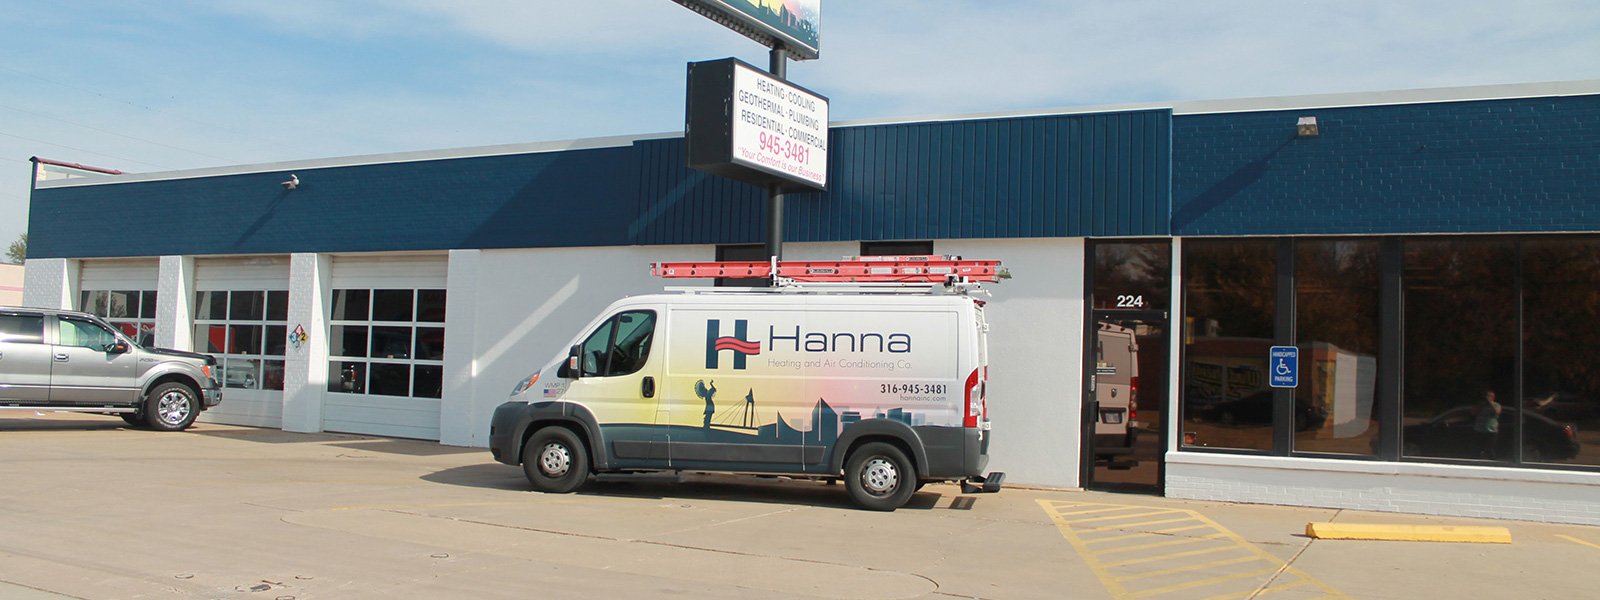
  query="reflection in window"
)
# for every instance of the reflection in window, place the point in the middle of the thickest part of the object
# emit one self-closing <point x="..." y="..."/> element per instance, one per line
<point x="133" y="312"/>
<point x="619" y="346"/>
<point x="387" y="342"/>
<point x="22" y="329"/>
<point x="1336" y="314"/>
<point x="84" y="334"/>
<point x="1230" y="303"/>
<point x="1132" y="275"/>
<point x="247" y="331"/>
<point x="1561" y="376"/>
<point x="1460" y="349"/>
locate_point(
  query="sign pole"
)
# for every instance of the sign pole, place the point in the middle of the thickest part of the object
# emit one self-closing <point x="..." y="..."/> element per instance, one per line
<point x="778" y="67"/>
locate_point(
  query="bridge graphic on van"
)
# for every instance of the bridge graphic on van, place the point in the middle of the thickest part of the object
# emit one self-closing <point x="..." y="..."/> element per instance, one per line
<point x="716" y="343"/>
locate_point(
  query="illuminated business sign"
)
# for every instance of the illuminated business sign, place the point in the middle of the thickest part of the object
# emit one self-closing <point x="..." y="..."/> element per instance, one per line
<point x="793" y="23"/>
<point x="744" y="124"/>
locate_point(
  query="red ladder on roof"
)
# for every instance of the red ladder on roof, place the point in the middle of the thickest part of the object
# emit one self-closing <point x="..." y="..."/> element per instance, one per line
<point x="856" y="269"/>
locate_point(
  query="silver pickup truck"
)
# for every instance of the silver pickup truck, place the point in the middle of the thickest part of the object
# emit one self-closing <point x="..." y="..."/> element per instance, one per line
<point x="64" y="360"/>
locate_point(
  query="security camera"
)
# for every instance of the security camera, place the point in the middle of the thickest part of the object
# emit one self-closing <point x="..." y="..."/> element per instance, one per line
<point x="292" y="183"/>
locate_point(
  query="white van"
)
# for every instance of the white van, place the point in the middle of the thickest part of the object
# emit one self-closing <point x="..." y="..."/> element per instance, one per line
<point x="883" y="387"/>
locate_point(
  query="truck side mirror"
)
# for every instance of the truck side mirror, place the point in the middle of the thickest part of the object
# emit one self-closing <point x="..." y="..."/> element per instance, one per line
<point x="573" y="364"/>
<point x="117" y="347"/>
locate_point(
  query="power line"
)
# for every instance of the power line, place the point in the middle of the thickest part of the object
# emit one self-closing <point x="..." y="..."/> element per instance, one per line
<point x="88" y="151"/>
<point x="106" y="131"/>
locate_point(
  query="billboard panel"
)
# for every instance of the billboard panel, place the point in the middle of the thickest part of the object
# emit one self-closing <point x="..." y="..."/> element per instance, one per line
<point x="794" y="23"/>
<point x="745" y="124"/>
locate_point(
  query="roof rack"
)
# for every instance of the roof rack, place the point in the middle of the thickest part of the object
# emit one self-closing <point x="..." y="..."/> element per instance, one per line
<point x="942" y="269"/>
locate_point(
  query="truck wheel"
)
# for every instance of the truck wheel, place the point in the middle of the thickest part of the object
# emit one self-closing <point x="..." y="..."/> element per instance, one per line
<point x="555" y="460"/>
<point x="133" y="419"/>
<point x="171" y="406"/>
<point x="879" y="477"/>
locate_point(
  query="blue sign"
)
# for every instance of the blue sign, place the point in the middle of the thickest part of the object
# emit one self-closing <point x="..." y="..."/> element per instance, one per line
<point x="1284" y="367"/>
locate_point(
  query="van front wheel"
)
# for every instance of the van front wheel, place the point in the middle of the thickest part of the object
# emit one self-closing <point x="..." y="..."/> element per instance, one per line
<point x="879" y="477"/>
<point x="555" y="460"/>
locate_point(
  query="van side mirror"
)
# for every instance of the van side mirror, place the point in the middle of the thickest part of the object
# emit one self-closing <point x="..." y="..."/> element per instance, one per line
<point x="572" y="367"/>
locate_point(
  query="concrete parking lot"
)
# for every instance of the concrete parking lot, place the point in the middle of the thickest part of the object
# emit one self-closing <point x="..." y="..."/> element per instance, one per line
<point x="92" y="509"/>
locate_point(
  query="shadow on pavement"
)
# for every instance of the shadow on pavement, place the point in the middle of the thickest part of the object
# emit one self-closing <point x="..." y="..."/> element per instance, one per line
<point x="666" y="486"/>
<point x="47" y="421"/>
<point x="406" y="447"/>
<point x="494" y="476"/>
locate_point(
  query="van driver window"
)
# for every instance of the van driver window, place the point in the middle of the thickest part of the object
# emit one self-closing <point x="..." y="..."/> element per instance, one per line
<point x="620" y="346"/>
<point x="85" y="334"/>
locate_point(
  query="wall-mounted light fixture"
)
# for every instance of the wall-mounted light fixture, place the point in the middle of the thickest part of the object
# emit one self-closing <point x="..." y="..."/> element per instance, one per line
<point x="1306" y="127"/>
<point x="291" y="183"/>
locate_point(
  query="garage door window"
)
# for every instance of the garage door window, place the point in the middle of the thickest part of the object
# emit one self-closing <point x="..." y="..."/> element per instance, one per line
<point x="387" y="342"/>
<point x="132" y="311"/>
<point x="247" y="331"/>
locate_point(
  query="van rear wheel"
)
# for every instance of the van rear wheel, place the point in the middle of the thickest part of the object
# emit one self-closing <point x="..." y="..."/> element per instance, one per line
<point x="555" y="460"/>
<point x="879" y="477"/>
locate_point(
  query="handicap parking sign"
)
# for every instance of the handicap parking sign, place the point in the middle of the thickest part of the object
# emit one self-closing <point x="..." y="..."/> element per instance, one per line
<point x="1284" y="367"/>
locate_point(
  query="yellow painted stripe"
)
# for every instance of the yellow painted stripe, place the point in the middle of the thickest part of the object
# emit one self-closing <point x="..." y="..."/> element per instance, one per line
<point x="1160" y="557"/>
<point x="1140" y="524"/>
<point x="1194" y="567"/>
<point x="1097" y="510"/>
<point x="1280" y="576"/>
<point x="1577" y="541"/>
<point x="1116" y="517"/>
<point x="1261" y="592"/>
<point x="1175" y="542"/>
<point x="1408" y="533"/>
<point x="1189" y="585"/>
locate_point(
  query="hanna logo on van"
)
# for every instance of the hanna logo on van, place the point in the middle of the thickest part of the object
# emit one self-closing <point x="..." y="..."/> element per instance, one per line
<point x="716" y="343"/>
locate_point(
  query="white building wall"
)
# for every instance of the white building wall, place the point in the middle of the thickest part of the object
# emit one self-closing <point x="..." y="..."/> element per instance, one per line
<point x="512" y="312"/>
<point x="457" y="416"/>
<point x="1036" y="342"/>
<point x="1449" y="490"/>
<point x="50" y="282"/>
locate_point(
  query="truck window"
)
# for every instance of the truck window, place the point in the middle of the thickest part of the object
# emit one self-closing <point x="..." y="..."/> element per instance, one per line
<point x="25" y="329"/>
<point x="619" y="346"/>
<point x="84" y="334"/>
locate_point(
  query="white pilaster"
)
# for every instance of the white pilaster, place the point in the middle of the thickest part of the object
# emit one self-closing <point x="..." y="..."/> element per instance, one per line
<point x="50" y="282"/>
<point x="175" y="310"/>
<point x="305" y="370"/>
<point x="457" y="417"/>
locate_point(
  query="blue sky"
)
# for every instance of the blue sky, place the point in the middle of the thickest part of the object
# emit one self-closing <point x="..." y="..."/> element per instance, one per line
<point x="147" y="85"/>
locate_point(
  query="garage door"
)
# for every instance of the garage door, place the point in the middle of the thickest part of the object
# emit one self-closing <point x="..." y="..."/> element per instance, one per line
<point x="123" y="292"/>
<point x="240" y="316"/>
<point x="386" y="345"/>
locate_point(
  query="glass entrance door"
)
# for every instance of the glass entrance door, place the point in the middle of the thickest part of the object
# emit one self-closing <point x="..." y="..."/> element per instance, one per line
<point x="1125" y="416"/>
<point x="1125" y="396"/>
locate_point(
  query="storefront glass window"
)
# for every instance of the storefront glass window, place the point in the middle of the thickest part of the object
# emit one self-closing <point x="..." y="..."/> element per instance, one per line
<point x="1230" y="305"/>
<point x="1336" y="316"/>
<point x="1561" y="340"/>
<point x="1459" y="396"/>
